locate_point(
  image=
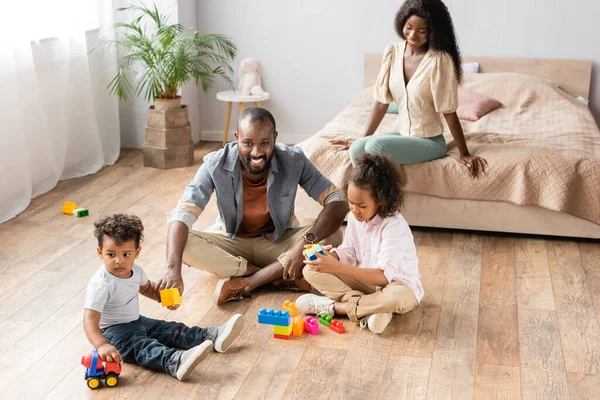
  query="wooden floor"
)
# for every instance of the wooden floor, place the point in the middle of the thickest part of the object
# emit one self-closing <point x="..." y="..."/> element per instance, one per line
<point x="503" y="317"/>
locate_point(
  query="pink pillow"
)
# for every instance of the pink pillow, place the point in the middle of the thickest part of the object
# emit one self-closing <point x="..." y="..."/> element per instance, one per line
<point x="473" y="105"/>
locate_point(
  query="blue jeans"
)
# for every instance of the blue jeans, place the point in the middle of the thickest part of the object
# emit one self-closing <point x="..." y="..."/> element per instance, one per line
<point x="155" y="343"/>
<point x="402" y="149"/>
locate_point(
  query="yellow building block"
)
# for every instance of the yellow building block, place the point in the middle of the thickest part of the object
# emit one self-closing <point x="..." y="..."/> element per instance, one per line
<point x="298" y="326"/>
<point x="282" y="330"/>
<point x="170" y="297"/>
<point x="291" y="307"/>
<point x="69" y="207"/>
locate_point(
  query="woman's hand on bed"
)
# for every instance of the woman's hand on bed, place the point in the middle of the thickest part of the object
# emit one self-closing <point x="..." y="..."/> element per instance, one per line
<point x="345" y="143"/>
<point x="475" y="164"/>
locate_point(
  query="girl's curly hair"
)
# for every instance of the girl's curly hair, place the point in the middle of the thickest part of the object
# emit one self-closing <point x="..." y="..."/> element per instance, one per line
<point x="383" y="177"/>
<point x="441" y="29"/>
<point x="120" y="228"/>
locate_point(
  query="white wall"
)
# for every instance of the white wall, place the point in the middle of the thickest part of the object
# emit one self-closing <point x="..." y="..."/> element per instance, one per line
<point x="311" y="51"/>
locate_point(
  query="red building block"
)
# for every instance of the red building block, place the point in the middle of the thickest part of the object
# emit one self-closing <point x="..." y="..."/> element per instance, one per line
<point x="311" y="326"/>
<point x="337" y="326"/>
<point x="284" y="337"/>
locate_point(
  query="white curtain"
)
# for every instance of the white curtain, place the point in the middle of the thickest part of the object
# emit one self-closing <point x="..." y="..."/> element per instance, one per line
<point x="57" y="120"/>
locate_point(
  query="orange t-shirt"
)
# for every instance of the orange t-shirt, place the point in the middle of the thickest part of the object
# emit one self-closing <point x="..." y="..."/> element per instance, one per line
<point x="256" y="219"/>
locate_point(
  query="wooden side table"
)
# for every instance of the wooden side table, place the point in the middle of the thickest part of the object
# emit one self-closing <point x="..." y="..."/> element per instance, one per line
<point x="234" y="96"/>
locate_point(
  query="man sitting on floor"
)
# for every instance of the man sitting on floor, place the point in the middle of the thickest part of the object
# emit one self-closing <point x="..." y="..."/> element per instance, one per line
<point x="256" y="239"/>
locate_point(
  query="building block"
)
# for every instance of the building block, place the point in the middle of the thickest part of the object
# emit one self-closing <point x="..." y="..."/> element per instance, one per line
<point x="310" y="251"/>
<point x="283" y="330"/>
<point x="337" y="326"/>
<point x="311" y="326"/>
<point x="298" y="326"/>
<point x="81" y="212"/>
<point x="291" y="307"/>
<point x="170" y="297"/>
<point x="325" y="320"/>
<point x="68" y="208"/>
<point x="274" y="317"/>
<point x="284" y="337"/>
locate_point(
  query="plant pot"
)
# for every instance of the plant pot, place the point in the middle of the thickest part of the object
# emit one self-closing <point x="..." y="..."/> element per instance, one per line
<point x="167" y="104"/>
<point x="168" y="138"/>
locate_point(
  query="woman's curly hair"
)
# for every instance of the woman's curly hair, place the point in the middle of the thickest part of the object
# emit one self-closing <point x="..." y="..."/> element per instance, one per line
<point x="120" y="228"/>
<point x="441" y="29"/>
<point x="383" y="177"/>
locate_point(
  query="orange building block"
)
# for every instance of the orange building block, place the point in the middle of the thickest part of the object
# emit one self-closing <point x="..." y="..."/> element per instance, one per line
<point x="291" y="307"/>
<point x="170" y="297"/>
<point x="68" y="208"/>
<point x="298" y="326"/>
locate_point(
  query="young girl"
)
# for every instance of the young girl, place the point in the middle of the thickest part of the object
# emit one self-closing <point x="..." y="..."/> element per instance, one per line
<point x="374" y="272"/>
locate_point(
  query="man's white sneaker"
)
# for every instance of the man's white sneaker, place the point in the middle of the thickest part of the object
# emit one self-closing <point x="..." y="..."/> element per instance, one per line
<point x="313" y="304"/>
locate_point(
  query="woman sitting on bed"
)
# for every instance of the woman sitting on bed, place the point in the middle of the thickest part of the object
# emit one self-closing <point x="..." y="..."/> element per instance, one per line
<point x="421" y="75"/>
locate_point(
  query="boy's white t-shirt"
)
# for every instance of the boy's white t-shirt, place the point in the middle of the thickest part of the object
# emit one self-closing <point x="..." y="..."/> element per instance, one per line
<point x="115" y="298"/>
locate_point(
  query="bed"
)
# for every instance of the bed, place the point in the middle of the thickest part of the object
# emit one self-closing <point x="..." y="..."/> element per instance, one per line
<point x="543" y="149"/>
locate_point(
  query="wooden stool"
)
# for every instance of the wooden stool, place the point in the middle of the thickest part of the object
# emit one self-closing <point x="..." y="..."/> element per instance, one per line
<point x="234" y="96"/>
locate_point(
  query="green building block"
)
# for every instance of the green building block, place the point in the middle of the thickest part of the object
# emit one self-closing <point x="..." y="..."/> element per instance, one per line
<point x="325" y="319"/>
<point x="81" y="212"/>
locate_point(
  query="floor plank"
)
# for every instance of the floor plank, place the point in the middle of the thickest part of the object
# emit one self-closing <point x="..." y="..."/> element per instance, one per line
<point x="497" y="336"/>
<point x="534" y="288"/>
<point x="543" y="374"/>
<point x="452" y="372"/>
<point x="416" y="331"/>
<point x="316" y="374"/>
<point x="364" y="366"/>
<point x="497" y="382"/>
<point x="577" y="320"/>
<point x="405" y="378"/>
<point x="590" y="260"/>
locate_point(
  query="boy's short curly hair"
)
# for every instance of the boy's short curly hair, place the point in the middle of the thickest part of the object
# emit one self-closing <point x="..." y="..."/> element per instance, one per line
<point x="383" y="177"/>
<point x="120" y="228"/>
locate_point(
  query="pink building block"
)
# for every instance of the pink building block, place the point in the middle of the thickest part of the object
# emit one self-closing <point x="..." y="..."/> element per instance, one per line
<point x="311" y="325"/>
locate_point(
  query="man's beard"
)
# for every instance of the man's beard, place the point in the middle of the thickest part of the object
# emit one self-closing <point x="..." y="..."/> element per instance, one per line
<point x="246" y="162"/>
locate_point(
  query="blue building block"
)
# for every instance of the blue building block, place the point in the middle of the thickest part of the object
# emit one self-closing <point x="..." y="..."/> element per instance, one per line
<point x="274" y="317"/>
<point x="310" y="251"/>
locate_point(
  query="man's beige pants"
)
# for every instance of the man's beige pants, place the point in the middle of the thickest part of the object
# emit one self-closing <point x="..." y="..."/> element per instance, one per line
<point x="219" y="255"/>
<point x="362" y="299"/>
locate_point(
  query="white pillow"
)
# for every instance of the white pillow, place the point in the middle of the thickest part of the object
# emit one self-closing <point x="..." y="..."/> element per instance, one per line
<point x="470" y="68"/>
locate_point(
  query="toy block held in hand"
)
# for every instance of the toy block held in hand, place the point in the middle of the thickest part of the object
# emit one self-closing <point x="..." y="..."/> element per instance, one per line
<point x="170" y="297"/>
<point x="81" y="212"/>
<point x="311" y="326"/>
<point x="325" y="320"/>
<point x="298" y="326"/>
<point x="284" y="337"/>
<point x="337" y="326"/>
<point x="282" y="330"/>
<point x="68" y="208"/>
<point x="291" y="307"/>
<point x="274" y="317"/>
<point x="310" y="251"/>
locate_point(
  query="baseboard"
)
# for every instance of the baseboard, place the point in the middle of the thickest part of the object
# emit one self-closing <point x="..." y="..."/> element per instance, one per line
<point x="287" y="138"/>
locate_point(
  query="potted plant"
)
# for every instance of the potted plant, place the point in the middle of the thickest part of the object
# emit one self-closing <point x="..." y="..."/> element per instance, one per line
<point x="169" y="56"/>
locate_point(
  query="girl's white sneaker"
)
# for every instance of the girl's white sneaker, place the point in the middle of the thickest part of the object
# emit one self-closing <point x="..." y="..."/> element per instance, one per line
<point x="378" y="322"/>
<point x="313" y="304"/>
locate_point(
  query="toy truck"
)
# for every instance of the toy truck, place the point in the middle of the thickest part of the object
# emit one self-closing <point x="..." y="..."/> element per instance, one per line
<point x="96" y="372"/>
